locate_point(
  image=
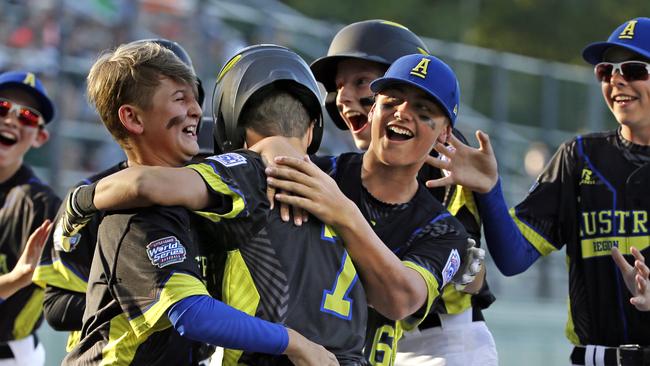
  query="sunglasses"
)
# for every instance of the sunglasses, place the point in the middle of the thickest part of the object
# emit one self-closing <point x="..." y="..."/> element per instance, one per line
<point x="27" y="116"/>
<point x="629" y="70"/>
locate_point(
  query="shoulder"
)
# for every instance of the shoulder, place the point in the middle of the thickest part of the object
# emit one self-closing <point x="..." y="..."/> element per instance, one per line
<point x="104" y="173"/>
<point x="33" y="189"/>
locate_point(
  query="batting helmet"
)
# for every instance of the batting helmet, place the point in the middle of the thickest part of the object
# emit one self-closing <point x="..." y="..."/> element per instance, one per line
<point x="380" y="41"/>
<point x="183" y="56"/>
<point x="430" y="75"/>
<point x="255" y="68"/>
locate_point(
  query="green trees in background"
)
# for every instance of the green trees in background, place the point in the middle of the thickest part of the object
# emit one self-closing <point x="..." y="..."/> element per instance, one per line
<point x="549" y="29"/>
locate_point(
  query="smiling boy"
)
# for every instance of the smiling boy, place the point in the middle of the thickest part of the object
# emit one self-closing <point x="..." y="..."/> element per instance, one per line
<point x="25" y="202"/>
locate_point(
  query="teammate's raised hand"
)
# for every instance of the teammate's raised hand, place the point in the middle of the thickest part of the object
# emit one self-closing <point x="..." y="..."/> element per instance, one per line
<point x="21" y="275"/>
<point x="635" y="277"/>
<point x="475" y="169"/>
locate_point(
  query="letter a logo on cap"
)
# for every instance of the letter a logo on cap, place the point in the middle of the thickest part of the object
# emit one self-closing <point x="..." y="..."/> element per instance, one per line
<point x="30" y="80"/>
<point x="421" y="68"/>
<point x="628" y="31"/>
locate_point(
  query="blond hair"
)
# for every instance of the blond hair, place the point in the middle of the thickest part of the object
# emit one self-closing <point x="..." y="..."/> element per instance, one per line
<point x="130" y="74"/>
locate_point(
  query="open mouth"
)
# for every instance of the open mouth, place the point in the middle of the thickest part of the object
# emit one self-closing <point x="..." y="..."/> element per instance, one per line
<point x="397" y="133"/>
<point x="190" y="130"/>
<point x="8" y="139"/>
<point x="623" y="99"/>
<point x="357" y="120"/>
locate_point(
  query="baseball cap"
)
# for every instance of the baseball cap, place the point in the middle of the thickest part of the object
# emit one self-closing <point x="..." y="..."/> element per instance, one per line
<point x="427" y="73"/>
<point x="633" y="35"/>
<point x="32" y="85"/>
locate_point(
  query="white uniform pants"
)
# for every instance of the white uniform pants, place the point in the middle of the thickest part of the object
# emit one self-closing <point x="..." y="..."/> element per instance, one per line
<point x="24" y="353"/>
<point x="458" y="342"/>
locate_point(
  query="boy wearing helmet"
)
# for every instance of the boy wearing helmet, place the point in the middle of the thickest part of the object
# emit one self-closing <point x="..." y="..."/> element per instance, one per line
<point x="360" y="53"/>
<point x="416" y="104"/>
<point x="64" y="268"/>
<point x="25" y="203"/>
<point x="146" y="291"/>
<point x="591" y="199"/>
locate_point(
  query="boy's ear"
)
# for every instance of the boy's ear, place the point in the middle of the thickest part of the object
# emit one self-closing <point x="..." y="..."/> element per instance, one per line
<point x="42" y="136"/>
<point x="371" y="112"/>
<point x="445" y="134"/>
<point x="130" y="118"/>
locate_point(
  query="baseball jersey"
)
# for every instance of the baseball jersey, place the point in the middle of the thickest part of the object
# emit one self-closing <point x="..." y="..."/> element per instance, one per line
<point x="25" y="202"/>
<point x="300" y="276"/>
<point x="145" y="261"/>
<point x="593" y="196"/>
<point x="426" y="237"/>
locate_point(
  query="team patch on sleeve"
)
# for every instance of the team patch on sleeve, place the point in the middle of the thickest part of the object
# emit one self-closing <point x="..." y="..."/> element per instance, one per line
<point x="229" y="159"/>
<point x="166" y="251"/>
<point x="451" y="267"/>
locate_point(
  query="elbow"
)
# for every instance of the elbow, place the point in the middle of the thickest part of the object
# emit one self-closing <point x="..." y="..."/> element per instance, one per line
<point x="401" y="306"/>
<point x="508" y="270"/>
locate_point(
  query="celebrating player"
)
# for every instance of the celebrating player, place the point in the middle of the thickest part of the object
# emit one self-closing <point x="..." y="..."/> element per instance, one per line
<point x="360" y="53"/>
<point x="25" y="203"/>
<point x="146" y="285"/>
<point x="65" y="265"/>
<point x="416" y="105"/>
<point x="591" y="198"/>
<point x="394" y="288"/>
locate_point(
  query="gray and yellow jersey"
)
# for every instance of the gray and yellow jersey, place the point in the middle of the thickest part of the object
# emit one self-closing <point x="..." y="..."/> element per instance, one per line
<point x="25" y="202"/>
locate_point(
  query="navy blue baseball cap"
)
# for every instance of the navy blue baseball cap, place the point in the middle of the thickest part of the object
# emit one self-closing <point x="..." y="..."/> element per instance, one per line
<point x="633" y="35"/>
<point x="427" y="73"/>
<point x="28" y="82"/>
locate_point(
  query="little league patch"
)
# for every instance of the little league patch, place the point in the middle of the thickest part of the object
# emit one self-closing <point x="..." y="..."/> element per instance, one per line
<point x="166" y="251"/>
<point x="451" y="267"/>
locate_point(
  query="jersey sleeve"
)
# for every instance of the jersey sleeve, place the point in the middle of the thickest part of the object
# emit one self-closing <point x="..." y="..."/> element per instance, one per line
<point x="434" y="251"/>
<point x="237" y="183"/>
<point x="156" y="265"/>
<point x="550" y="202"/>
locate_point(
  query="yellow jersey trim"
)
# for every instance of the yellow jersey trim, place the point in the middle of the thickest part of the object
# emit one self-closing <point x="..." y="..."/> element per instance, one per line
<point x="58" y="275"/>
<point x="411" y="322"/>
<point x="214" y="181"/>
<point x="239" y="291"/>
<point x="178" y="287"/>
<point x="539" y="242"/>
<point x="27" y="318"/>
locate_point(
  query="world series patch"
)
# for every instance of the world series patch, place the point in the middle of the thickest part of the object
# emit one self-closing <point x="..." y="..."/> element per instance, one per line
<point x="166" y="251"/>
<point x="451" y="267"/>
<point x="229" y="159"/>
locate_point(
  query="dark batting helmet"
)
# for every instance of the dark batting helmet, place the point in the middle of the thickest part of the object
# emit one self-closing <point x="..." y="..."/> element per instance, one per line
<point x="377" y="40"/>
<point x="183" y="56"/>
<point x="261" y="68"/>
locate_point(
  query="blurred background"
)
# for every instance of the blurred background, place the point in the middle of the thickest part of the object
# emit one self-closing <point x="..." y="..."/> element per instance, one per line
<point x="522" y="79"/>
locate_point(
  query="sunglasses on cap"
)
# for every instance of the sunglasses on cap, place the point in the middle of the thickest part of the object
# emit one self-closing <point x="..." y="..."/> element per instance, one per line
<point x="27" y="116"/>
<point x="629" y="70"/>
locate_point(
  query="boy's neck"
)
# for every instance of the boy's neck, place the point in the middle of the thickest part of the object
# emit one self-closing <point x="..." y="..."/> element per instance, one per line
<point x="389" y="184"/>
<point x="6" y="172"/>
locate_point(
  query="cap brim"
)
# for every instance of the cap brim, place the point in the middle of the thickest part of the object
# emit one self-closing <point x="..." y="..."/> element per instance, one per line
<point x="384" y="83"/>
<point x="594" y="52"/>
<point x="46" y="106"/>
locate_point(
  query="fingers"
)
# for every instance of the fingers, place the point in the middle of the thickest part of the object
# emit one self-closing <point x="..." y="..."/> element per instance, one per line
<point x="620" y="261"/>
<point x="270" y="195"/>
<point x="437" y="163"/>
<point x="444" y="150"/>
<point x="440" y="182"/>
<point x="637" y="254"/>
<point x="300" y="164"/>
<point x="297" y="215"/>
<point x="484" y="142"/>
<point x="294" y="201"/>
